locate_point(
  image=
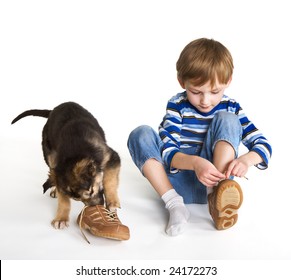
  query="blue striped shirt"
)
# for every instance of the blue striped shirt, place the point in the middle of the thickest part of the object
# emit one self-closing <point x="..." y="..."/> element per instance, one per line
<point x="184" y="126"/>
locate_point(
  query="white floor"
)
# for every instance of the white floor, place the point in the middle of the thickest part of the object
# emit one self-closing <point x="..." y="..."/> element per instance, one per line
<point x="262" y="231"/>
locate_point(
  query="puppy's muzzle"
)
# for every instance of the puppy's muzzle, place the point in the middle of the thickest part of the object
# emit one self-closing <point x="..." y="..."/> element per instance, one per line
<point x="96" y="199"/>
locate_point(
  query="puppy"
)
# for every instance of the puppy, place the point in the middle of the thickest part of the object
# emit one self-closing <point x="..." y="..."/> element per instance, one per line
<point x="81" y="165"/>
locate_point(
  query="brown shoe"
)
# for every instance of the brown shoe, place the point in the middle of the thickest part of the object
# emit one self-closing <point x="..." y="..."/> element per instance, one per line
<point x="102" y="222"/>
<point x="224" y="202"/>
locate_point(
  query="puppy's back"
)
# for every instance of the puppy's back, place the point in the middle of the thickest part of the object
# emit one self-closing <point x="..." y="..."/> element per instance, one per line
<point x="72" y="124"/>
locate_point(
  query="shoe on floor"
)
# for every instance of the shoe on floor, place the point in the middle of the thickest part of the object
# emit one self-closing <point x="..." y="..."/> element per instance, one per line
<point x="224" y="202"/>
<point x="102" y="222"/>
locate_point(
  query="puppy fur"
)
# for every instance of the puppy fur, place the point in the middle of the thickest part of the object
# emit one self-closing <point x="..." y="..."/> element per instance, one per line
<point x="81" y="165"/>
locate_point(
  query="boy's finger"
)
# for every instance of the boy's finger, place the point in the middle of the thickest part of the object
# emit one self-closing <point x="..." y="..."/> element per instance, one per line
<point x="227" y="173"/>
<point x="220" y="175"/>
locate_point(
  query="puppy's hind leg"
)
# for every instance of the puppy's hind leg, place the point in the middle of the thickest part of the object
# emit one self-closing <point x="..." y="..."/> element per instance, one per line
<point x="48" y="185"/>
<point x="62" y="217"/>
<point x="53" y="192"/>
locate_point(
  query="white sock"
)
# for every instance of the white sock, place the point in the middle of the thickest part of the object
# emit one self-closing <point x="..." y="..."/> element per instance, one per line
<point x="179" y="214"/>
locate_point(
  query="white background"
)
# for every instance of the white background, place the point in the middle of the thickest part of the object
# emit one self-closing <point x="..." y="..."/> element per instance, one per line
<point x="117" y="59"/>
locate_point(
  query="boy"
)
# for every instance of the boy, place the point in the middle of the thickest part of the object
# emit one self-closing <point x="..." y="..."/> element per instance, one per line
<point x="196" y="151"/>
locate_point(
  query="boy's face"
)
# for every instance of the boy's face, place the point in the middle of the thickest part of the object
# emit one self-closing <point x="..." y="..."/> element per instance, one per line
<point x="204" y="97"/>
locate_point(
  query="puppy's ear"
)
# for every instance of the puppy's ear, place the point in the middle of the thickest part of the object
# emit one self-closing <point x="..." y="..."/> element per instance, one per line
<point x="80" y="167"/>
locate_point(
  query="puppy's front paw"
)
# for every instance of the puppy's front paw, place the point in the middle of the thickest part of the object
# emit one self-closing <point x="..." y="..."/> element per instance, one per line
<point x="113" y="205"/>
<point x="60" y="224"/>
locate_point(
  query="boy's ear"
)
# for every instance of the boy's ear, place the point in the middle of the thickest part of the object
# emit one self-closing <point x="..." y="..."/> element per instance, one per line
<point x="181" y="82"/>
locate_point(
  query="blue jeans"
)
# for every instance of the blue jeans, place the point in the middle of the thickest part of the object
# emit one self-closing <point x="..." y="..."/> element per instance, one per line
<point x="144" y="143"/>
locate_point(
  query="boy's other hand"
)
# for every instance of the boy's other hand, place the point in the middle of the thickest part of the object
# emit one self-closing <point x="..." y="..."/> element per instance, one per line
<point x="207" y="173"/>
<point x="237" y="168"/>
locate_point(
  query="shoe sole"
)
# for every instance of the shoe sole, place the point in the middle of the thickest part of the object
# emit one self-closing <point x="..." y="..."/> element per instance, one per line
<point x="229" y="198"/>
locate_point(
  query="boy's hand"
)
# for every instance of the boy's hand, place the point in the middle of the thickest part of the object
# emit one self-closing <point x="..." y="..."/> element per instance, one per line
<point x="207" y="173"/>
<point x="237" y="168"/>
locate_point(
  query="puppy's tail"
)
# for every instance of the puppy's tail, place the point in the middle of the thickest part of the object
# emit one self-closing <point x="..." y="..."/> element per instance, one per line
<point x="36" y="113"/>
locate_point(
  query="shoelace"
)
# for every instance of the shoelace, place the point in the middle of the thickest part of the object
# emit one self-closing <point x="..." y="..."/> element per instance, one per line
<point x="80" y="227"/>
<point x="111" y="216"/>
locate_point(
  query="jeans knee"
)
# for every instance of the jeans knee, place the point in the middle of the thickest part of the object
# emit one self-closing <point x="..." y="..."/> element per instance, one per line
<point x="226" y="119"/>
<point x="139" y="135"/>
<point x="144" y="143"/>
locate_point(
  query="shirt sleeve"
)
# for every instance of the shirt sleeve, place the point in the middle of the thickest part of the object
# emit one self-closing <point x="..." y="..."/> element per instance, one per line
<point x="254" y="140"/>
<point x="170" y="131"/>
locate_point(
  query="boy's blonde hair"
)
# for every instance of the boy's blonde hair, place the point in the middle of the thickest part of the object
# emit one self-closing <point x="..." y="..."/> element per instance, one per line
<point x="204" y="60"/>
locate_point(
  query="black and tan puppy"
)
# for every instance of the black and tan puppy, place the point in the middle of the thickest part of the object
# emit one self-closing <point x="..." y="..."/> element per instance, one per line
<point x="81" y="165"/>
